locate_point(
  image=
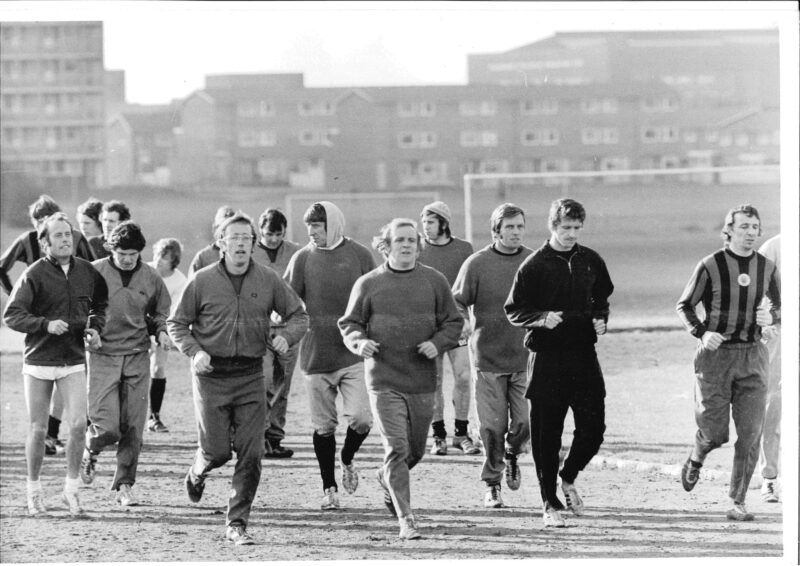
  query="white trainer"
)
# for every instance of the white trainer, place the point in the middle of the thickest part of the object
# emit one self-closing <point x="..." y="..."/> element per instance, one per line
<point x="330" y="501"/>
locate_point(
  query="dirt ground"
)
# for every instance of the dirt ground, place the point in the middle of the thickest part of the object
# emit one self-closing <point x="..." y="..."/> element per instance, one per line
<point x="636" y="507"/>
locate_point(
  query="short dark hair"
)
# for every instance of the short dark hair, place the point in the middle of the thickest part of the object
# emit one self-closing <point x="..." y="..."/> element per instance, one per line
<point x="565" y="208"/>
<point x="43" y="230"/>
<point x="505" y="210"/>
<point x="43" y="207"/>
<point x="238" y="217"/>
<point x="120" y="208"/>
<point x="170" y="246"/>
<point x="127" y="236"/>
<point x="91" y="208"/>
<point x="316" y="213"/>
<point x="444" y="225"/>
<point x="747" y="210"/>
<point x="383" y="240"/>
<point x="273" y="219"/>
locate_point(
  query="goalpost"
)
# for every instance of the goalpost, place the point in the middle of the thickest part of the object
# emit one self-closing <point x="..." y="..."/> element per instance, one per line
<point x="770" y="173"/>
<point x="651" y="226"/>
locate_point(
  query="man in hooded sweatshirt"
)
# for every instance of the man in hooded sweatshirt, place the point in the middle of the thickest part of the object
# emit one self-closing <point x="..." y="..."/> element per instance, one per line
<point x="322" y="273"/>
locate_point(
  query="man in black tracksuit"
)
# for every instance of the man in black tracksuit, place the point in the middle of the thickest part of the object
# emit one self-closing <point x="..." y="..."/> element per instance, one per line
<point x="560" y="296"/>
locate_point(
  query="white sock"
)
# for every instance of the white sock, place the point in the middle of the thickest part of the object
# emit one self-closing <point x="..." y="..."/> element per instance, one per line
<point x="71" y="484"/>
<point x="34" y="486"/>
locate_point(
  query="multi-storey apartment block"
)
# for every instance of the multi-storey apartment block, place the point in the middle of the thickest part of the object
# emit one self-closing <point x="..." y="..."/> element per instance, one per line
<point x="52" y="107"/>
<point x="574" y="102"/>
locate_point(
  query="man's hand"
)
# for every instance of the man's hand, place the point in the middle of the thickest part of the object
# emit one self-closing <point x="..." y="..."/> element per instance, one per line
<point x="368" y="348"/>
<point x="712" y="340"/>
<point x="553" y="319"/>
<point x="427" y="349"/>
<point x="599" y="326"/>
<point x="201" y="362"/>
<point x="163" y="340"/>
<point x="280" y="344"/>
<point x="769" y="333"/>
<point x="91" y="338"/>
<point x="763" y="316"/>
<point x="57" y="327"/>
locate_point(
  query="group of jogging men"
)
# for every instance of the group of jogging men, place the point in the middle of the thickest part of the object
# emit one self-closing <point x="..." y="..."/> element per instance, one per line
<point x="518" y="325"/>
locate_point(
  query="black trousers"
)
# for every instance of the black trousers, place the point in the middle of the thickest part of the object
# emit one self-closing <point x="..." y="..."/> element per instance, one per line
<point x="560" y="381"/>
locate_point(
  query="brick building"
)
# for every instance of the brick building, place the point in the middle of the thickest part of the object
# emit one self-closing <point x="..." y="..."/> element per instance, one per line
<point x="52" y="102"/>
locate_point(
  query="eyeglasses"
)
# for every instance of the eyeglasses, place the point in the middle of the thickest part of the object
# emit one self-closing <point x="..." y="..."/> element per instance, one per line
<point x="239" y="238"/>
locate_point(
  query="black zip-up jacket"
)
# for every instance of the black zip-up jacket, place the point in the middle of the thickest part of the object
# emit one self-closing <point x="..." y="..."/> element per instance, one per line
<point x="45" y="293"/>
<point x="579" y="288"/>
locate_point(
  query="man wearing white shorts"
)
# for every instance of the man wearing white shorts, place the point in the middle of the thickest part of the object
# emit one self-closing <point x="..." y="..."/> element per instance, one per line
<point x="59" y="302"/>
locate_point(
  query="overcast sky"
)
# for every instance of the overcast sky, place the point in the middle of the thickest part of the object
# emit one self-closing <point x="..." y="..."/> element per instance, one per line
<point x="166" y="48"/>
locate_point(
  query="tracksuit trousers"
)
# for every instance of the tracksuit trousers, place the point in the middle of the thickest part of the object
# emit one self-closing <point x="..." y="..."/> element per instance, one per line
<point x="731" y="380"/>
<point x="561" y="381"/>
<point x="226" y="406"/>
<point x="403" y="420"/>
<point x="118" y="394"/>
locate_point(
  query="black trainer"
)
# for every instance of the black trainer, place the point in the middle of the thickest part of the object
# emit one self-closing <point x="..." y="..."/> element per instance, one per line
<point x="690" y="473"/>
<point x="194" y="488"/>
<point x="273" y="449"/>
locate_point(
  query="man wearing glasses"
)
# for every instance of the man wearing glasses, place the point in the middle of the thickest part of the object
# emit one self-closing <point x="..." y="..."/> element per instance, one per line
<point x="223" y="324"/>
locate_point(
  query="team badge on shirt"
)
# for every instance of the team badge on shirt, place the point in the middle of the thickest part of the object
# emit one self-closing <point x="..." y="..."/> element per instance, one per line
<point x="743" y="279"/>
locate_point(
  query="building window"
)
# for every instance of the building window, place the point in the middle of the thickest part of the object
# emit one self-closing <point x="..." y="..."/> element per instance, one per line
<point x="599" y="106"/>
<point x="659" y="134"/>
<point x="477" y="138"/>
<point x="597" y="136"/>
<point x="690" y="136"/>
<point x="413" y="109"/>
<point x="316" y="109"/>
<point x="540" y="136"/>
<point x="318" y="136"/>
<point x="712" y="136"/>
<point x="752" y="158"/>
<point x="741" y="139"/>
<point x="670" y="162"/>
<point x="255" y="108"/>
<point x="725" y="140"/>
<point x="409" y="140"/>
<point x="478" y="108"/>
<point x="541" y="107"/>
<point x="423" y="172"/>
<point x="763" y="138"/>
<point x="612" y="163"/>
<point x="659" y="104"/>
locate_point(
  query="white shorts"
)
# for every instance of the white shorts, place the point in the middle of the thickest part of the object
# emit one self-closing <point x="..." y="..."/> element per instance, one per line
<point x="52" y="373"/>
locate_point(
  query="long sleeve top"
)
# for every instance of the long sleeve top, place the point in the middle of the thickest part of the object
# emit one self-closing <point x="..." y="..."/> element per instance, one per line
<point x="209" y="255"/>
<point x="214" y="318"/>
<point x="400" y="310"/>
<point x="45" y="293"/>
<point x="446" y="258"/>
<point x="323" y="278"/>
<point x="481" y="289"/>
<point x="731" y="288"/>
<point x="27" y="250"/>
<point x="578" y="287"/>
<point x="135" y="309"/>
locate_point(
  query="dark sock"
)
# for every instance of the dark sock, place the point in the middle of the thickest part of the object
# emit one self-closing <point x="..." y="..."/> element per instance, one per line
<point x="352" y="442"/>
<point x="461" y="428"/>
<point x="157" y="387"/>
<point x="325" y="450"/>
<point x="438" y="429"/>
<point x="696" y="464"/>
<point x="53" y="425"/>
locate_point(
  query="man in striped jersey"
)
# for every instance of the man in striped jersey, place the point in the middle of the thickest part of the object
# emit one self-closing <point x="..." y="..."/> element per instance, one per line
<point x="731" y="361"/>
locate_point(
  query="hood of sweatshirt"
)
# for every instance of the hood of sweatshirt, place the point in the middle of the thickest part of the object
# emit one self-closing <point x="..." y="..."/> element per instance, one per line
<point x="335" y="228"/>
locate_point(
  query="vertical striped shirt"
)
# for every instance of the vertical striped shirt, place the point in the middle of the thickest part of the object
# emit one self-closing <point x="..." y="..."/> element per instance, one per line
<point x="730" y="288"/>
